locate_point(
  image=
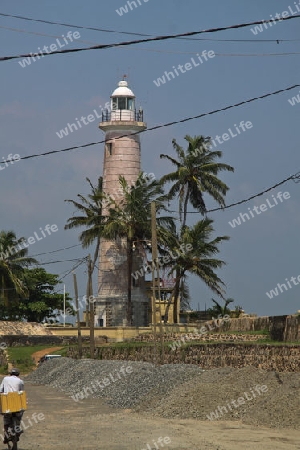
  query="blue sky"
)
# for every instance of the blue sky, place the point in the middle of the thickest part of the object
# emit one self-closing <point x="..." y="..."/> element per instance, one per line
<point x="40" y="99"/>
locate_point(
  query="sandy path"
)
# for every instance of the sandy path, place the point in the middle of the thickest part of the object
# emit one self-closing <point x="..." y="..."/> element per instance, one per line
<point x="37" y="355"/>
<point x="90" y="424"/>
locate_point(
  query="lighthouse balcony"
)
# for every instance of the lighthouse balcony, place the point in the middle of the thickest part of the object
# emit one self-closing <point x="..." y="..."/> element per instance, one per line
<point x="125" y="115"/>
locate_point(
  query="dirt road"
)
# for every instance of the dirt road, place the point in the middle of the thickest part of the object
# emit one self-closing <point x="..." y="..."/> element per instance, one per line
<point x="90" y="424"/>
<point x="37" y="355"/>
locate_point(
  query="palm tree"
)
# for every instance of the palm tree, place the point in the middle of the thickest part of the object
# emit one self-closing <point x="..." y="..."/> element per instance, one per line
<point x="219" y="309"/>
<point x="195" y="255"/>
<point x="196" y="174"/>
<point x="13" y="261"/>
<point x="91" y="219"/>
<point x="130" y="219"/>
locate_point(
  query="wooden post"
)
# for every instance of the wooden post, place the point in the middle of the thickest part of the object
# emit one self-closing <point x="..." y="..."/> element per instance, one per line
<point x="78" y="317"/>
<point x="92" y="309"/>
<point x="154" y="257"/>
<point x="162" y="349"/>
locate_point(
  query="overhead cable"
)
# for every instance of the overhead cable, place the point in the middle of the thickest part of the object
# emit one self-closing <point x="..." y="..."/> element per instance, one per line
<point x="150" y="39"/>
<point x="292" y="177"/>
<point x="55" y="251"/>
<point x="163" y="125"/>
<point x="48" y="22"/>
<point x="160" y="50"/>
<point x="59" y="261"/>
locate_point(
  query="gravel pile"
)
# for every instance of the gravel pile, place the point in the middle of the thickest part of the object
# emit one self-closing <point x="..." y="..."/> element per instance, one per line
<point x="217" y="391"/>
<point x="123" y="384"/>
<point x="180" y="391"/>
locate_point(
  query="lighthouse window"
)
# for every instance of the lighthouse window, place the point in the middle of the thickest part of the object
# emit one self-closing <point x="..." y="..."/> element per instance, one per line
<point x="109" y="149"/>
<point x="130" y="104"/>
<point x="122" y="103"/>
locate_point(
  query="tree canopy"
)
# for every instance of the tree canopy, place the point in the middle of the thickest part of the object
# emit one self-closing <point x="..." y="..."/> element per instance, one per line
<point x="43" y="302"/>
<point x="26" y="293"/>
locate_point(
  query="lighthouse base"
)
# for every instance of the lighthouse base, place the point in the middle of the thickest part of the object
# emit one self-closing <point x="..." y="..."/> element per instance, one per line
<point x="112" y="312"/>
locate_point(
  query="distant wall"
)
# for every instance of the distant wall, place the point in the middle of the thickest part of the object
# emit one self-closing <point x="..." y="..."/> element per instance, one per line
<point x="15" y="341"/>
<point x="267" y="357"/>
<point x="27" y="328"/>
<point x="292" y="329"/>
<point x="281" y="328"/>
<point x="247" y="324"/>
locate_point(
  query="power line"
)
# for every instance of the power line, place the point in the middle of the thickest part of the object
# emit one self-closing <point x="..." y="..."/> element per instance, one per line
<point x="103" y="30"/>
<point x="216" y="53"/>
<point x="292" y="177"/>
<point x="162" y="51"/>
<point x="73" y="268"/>
<point x="69" y="271"/>
<point x="18" y="30"/>
<point x="128" y="32"/>
<point x="150" y="39"/>
<point x="80" y="261"/>
<point x="278" y="41"/>
<point x="55" y="251"/>
<point x="163" y="125"/>
<point x="258" y="54"/>
<point x="59" y="261"/>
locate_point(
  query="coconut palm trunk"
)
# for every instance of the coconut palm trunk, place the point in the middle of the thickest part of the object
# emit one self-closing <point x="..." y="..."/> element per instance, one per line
<point x="174" y="296"/>
<point x="129" y="281"/>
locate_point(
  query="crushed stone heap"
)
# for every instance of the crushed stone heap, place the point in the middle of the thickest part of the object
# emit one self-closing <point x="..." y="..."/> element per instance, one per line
<point x="179" y="391"/>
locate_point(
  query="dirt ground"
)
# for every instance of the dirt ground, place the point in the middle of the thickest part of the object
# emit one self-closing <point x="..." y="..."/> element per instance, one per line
<point x="90" y="424"/>
<point x="37" y="355"/>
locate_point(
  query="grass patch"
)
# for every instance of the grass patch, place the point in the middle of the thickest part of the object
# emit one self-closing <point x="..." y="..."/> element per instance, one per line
<point x="245" y="343"/>
<point x="130" y="344"/>
<point x="21" y="357"/>
<point x="63" y="352"/>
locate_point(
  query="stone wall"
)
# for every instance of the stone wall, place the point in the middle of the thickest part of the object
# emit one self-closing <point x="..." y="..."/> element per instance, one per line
<point x="16" y="341"/>
<point x="292" y="329"/>
<point x="281" y="328"/>
<point x="23" y="328"/>
<point x="208" y="337"/>
<point x="247" y="324"/>
<point x="281" y="358"/>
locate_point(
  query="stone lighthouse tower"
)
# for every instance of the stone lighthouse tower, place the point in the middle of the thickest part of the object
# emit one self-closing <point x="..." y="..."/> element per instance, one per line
<point x="122" y="156"/>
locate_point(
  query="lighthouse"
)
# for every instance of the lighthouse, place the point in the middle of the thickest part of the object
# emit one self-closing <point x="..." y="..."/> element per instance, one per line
<point x="122" y="156"/>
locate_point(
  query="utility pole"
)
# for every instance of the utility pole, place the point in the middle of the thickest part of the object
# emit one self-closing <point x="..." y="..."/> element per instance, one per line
<point x="156" y="265"/>
<point x="160" y="315"/>
<point x="91" y="308"/>
<point x="154" y="257"/>
<point x="87" y="303"/>
<point x="78" y="317"/>
<point x="64" y="305"/>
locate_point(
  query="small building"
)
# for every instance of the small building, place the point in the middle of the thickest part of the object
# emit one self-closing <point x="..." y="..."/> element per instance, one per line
<point x="162" y="301"/>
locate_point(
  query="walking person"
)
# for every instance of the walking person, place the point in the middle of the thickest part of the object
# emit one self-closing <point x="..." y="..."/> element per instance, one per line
<point x="12" y="383"/>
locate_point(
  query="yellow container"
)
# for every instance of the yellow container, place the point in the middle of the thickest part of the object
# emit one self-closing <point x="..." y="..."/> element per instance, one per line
<point x="13" y="402"/>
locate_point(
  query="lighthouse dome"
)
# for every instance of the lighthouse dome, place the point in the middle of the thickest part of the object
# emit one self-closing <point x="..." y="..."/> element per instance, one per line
<point x="123" y="90"/>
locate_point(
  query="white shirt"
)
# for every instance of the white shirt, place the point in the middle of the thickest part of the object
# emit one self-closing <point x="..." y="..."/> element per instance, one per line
<point x="11" y="383"/>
